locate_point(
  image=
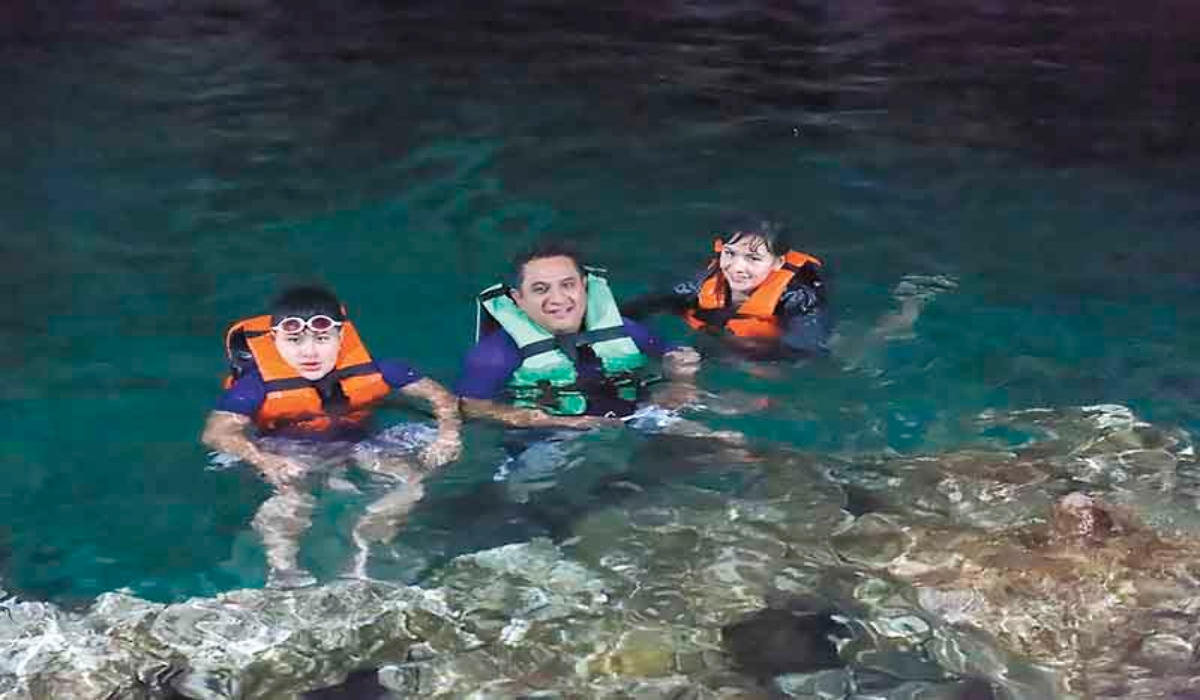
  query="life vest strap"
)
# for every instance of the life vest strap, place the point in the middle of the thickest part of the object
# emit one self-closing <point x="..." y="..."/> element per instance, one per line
<point x="610" y="386"/>
<point x="577" y="341"/>
<point x="302" y="383"/>
<point x="600" y="335"/>
<point x="493" y="292"/>
<point x="358" y="370"/>
<point x="287" y="384"/>
<point x="540" y="347"/>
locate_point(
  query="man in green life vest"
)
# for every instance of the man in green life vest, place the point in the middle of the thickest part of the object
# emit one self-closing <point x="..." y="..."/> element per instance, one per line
<point x="553" y="350"/>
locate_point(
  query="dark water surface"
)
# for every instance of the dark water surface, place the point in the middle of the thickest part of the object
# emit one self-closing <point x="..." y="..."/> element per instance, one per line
<point x="169" y="165"/>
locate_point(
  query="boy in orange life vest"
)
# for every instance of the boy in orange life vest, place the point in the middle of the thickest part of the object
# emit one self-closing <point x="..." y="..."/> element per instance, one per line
<point x="767" y="299"/>
<point x="304" y="373"/>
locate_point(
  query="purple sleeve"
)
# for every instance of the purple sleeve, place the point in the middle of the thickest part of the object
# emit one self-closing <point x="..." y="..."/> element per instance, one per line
<point x="397" y="374"/>
<point x="246" y="396"/>
<point x="646" y="340"/>
<point x="487" y="367"/>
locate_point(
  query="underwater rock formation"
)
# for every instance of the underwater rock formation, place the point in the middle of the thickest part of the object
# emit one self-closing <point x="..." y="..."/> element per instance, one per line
<point x="243" y="644"/>
<point x="1023" y="570"/>
<point x="1077" y="547"/>
<point x="1089" y="591"/>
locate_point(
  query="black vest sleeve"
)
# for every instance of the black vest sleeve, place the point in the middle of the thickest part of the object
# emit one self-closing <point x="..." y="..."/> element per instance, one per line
<point x="681" y="298"/>
<point x="650" y="304"/>
<point x="806" y="293"/>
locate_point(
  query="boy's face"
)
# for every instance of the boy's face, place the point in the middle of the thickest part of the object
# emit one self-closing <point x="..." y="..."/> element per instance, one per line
<point x="312" y="355"/>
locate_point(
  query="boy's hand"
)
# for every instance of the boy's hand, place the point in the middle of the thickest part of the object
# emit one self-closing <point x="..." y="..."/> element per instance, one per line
<point x="280" y="471"/>
<point x="446" y="448"/>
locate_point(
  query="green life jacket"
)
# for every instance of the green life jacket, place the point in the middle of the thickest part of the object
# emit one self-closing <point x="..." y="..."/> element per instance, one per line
<point x="547" y="377"/>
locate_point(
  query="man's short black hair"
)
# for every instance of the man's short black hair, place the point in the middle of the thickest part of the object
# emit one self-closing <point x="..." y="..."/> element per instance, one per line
<point x="545" y="248"/>
<point x="306" y="301"/>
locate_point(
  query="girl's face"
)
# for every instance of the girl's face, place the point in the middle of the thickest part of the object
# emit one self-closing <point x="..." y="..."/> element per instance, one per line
<point x="746" y="263"/>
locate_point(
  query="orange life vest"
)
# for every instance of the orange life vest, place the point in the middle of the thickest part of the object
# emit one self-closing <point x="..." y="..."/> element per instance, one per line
<point x="755" y="318"/>
<point x="294" y="401"/>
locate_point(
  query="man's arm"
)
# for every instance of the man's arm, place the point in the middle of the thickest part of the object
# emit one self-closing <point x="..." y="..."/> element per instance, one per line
<point x="679" y="362"/>
<point x="679" y="366"/>
<point x="516" y="417"/>
<point x="226" y="432"/>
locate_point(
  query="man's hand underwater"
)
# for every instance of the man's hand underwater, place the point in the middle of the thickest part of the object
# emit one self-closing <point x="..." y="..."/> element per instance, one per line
<point x="583" y="422"/>
<point x="681" y="363"/>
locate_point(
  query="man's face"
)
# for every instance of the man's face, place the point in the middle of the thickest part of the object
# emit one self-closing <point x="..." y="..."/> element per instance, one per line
<point x="553" y="294"/>
<point x="312" y="355"/>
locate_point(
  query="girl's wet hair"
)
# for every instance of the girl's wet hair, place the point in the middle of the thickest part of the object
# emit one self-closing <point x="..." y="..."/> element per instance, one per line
<point x="775" y="236"/>
<point x="306" y="301"/>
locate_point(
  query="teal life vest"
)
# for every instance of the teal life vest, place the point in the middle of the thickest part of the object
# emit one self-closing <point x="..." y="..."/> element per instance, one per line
<point x="547" y="377"/>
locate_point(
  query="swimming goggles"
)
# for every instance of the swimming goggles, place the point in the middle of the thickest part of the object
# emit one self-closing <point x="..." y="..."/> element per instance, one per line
<point x="317" y="324"/>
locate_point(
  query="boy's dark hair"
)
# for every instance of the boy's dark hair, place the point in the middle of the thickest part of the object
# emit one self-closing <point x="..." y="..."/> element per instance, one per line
<point x="546" y="248"/>
<point x="306" y="301"/>
<point x="775" y="235"/>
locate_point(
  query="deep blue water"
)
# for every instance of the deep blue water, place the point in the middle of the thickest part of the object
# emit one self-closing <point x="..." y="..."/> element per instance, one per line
<point x="168" y="166"/>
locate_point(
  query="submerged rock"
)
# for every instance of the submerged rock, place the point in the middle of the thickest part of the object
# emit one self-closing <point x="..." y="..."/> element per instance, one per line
<point x="243" y="644"/>
<point x="359" y="685"/>
<point x="1088" y="592"/>
<point x="775" y="642"/>
<point x="957" y="575"/>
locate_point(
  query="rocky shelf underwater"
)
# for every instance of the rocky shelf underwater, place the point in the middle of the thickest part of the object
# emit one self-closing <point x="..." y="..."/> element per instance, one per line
<point x="1058" y="558"/>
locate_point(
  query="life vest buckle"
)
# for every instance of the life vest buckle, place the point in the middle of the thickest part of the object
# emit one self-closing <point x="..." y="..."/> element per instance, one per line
<point x="547" y="395"/>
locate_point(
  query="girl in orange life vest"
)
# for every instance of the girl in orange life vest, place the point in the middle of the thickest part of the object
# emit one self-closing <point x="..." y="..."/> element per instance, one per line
<point x="766" y="299"/>
<point x="303" y="372"/>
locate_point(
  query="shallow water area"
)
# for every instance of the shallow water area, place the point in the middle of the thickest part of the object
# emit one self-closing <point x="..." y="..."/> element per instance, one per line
<point x="1022" y="171"/>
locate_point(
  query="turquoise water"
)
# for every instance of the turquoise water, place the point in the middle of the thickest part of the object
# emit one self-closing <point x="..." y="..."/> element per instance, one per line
<point x="167" y="174"/>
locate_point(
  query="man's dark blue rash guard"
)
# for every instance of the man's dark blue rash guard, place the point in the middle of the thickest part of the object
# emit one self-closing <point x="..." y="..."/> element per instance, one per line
<point x="490" y="364"/>
<point x="247" y="395"/>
